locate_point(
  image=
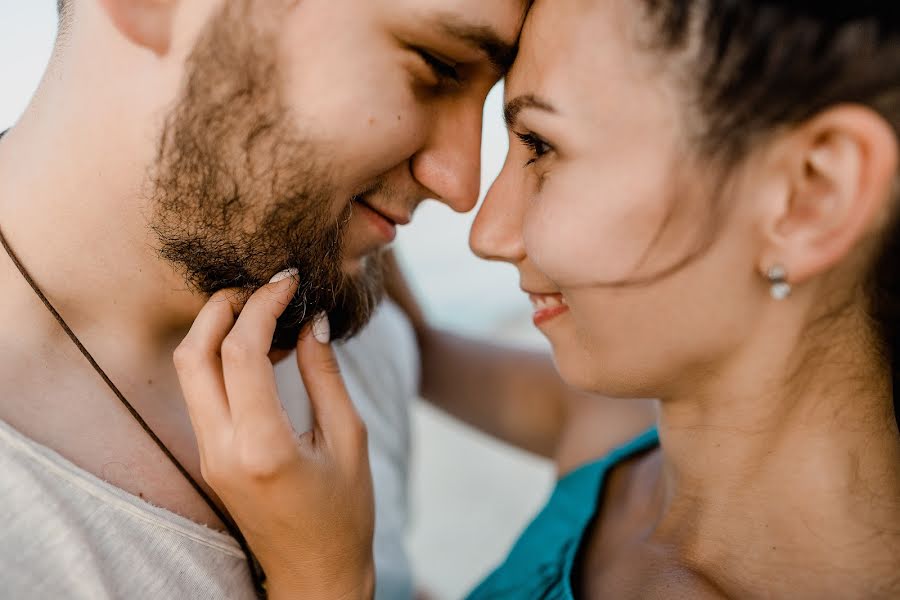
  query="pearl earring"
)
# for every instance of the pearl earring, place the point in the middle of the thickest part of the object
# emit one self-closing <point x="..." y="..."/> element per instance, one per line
<point x="777" y="276"/>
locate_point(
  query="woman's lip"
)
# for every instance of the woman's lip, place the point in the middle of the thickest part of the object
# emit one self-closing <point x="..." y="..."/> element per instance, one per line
<point x="547" y="314"/>
<point x="547" y="307"/>
<point x="387" y="228"/>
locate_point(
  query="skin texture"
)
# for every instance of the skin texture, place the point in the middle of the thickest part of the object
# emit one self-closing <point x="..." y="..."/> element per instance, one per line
<point x="777" y="466"/>
<point x="77" y="200"/>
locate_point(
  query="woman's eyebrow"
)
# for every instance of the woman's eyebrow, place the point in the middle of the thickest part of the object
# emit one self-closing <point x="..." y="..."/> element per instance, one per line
<point x="518" y="104"/>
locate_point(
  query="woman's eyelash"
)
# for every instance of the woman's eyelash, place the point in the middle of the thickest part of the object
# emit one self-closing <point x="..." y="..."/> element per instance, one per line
<point x="443" y="70"/>
<point x="536" y="145"/>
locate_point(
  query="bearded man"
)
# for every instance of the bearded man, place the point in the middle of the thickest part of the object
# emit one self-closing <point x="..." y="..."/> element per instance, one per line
<point x="176" y="148"/>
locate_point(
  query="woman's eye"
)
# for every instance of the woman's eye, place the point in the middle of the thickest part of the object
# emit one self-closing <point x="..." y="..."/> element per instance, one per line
<point x="443" y="70"/>
<point x="536" y="146"/>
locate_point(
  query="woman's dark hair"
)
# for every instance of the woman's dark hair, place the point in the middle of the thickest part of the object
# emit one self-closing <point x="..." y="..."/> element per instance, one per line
<point x="757" y="66"/>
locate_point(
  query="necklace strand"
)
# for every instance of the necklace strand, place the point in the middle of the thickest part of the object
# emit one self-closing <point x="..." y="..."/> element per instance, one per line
<point x="256" y="572"/>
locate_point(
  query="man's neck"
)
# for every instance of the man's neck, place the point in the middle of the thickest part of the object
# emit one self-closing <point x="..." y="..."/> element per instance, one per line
<point x="74" y="211"/>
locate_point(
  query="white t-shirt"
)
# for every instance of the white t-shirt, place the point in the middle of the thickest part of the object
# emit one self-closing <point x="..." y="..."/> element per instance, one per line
<point x="68" y="534"/>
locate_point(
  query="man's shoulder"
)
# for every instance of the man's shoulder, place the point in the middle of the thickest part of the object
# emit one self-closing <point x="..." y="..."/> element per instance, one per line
<point x="69" y="534"/>
<point x="387" y="345"/>
<point x="383" y="359"/>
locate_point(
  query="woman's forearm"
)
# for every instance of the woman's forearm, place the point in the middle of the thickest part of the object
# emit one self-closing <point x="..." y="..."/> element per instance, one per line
<point x="354" y="586"/>
<point x="512" y="394"/>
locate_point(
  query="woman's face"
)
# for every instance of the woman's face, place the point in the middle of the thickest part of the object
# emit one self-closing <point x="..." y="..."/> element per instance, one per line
<point x="599" y="188"/>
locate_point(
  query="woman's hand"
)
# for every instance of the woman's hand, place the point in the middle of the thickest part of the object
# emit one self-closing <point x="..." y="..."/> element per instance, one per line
<point x="303" y="502"/>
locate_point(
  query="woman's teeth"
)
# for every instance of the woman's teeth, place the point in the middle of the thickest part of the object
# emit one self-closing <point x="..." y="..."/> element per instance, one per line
<point x="544" y="302"/>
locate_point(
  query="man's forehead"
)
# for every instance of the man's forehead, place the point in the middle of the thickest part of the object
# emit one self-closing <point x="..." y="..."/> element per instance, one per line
<point x="500" y="48"/>
<point x="502" y="18"/>
<point x="498" y="12"/>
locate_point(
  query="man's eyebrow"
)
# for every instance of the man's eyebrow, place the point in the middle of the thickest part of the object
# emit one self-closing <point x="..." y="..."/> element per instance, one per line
<point x="484" y="38"/>
<point x="520" y="103"/>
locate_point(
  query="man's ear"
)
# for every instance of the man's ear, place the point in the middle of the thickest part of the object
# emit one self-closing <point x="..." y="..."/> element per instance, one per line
<point x="840" y="170"/>
<point x="147" y="23"/>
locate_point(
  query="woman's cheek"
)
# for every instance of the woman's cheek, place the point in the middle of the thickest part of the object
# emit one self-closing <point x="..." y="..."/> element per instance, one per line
<point x="580" y="240"/>
<point x="556" y="246"/>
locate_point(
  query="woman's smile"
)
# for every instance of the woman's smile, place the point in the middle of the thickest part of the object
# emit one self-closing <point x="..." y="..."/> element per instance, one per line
<point x="547" y="307"/>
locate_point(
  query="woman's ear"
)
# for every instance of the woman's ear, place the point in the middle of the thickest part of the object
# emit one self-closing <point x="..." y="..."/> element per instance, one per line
<point x="840" y="167"/>
<point x="147" y="23"/>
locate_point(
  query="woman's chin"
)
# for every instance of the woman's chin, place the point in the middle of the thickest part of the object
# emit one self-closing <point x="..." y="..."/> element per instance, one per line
<point x="577" y="370"/>
<point x="601" y="377"/>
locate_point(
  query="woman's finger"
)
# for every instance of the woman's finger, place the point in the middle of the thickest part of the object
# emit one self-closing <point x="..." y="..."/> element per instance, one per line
<point x="248" y="372"/>
<point x="334" y="415"/>
<point x="199" y="367"/>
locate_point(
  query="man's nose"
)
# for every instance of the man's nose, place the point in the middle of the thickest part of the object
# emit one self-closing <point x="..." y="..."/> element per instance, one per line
<point x="449" y="165"/>
<point x="497" y="231"/>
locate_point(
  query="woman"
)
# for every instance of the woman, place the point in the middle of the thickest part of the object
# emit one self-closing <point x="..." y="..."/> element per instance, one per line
<point x="701" y="198"/>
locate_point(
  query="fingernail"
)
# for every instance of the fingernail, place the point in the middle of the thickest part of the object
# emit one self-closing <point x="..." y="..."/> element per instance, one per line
<point x="322" y="329"/>
<point x="284" y="275"/>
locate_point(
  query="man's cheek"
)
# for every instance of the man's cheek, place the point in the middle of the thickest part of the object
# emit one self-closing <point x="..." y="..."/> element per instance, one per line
<point x="374" y="149"/>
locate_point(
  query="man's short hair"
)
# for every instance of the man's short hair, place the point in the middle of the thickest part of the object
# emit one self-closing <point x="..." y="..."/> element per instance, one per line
<point x="62" y="8"/>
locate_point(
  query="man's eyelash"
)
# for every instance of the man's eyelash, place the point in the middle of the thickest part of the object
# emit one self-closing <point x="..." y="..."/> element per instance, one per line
<point x="536" y="145"/>
<point x="443" y="70"/>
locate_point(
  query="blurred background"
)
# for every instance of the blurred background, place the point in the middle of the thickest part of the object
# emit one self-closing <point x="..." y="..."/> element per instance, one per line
<point x="471" y="495"/>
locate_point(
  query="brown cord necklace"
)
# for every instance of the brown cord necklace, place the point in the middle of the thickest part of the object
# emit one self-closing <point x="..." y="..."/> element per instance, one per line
<point x="256" y="572"/>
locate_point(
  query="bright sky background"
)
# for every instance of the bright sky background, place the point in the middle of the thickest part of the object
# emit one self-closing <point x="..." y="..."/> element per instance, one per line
<point x="456" y="288"/>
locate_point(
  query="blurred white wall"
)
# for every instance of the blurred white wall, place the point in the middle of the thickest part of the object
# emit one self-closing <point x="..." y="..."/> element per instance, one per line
<point x="27" y="29"/>
<point x="471" y="495"/>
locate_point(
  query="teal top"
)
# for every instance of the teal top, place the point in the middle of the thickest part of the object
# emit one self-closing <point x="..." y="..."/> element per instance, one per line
<point x="539" y="566"/>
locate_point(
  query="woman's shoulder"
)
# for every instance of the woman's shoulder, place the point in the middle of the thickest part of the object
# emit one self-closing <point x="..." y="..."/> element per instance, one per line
<point x="541" y="562"/>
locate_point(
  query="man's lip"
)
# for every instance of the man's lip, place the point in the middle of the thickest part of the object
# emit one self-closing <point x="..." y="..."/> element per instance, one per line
<point x="383" y="224"/>
<point x="396" y="219"/>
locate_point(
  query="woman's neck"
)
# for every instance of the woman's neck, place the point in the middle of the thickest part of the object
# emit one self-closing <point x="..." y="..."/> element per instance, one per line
<point x="768" y="484"/>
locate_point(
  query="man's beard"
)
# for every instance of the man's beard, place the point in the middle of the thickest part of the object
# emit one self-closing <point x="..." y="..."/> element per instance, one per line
<point x="240" y="195"/>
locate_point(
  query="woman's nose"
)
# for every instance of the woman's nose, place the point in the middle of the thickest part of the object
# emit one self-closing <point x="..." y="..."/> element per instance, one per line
<point x="497" y="231"/>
